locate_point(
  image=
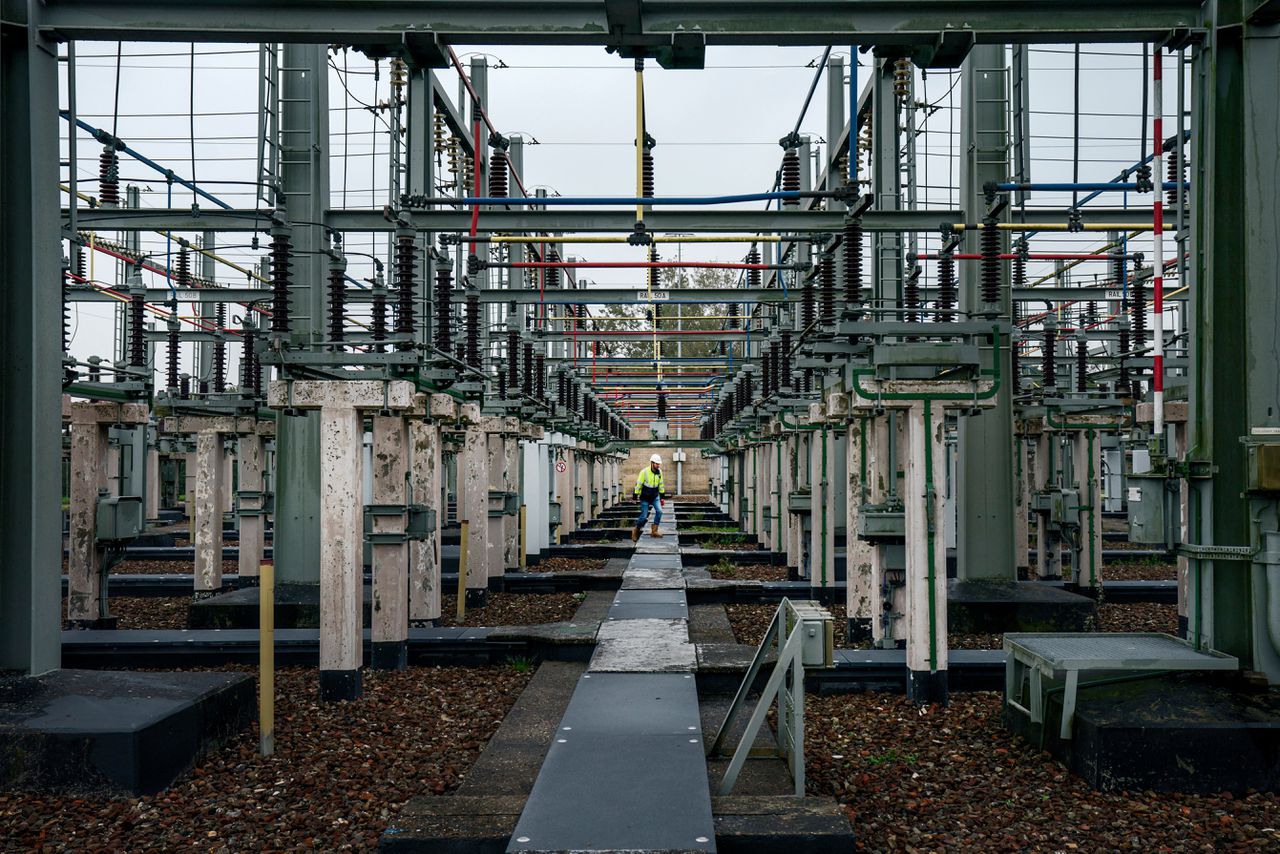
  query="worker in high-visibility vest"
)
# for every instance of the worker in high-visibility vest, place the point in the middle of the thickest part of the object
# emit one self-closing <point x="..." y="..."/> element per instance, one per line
<point x="651" y="492"/>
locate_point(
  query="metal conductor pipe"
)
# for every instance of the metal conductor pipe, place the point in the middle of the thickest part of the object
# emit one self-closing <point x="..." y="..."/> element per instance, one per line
<point x="1157" y="235"/>
<point x="639" y="137"/>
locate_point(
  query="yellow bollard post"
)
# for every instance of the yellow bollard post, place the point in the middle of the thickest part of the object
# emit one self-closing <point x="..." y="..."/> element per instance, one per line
<point x="267" y="659"/>
<point x="523" y="556"/>
<point x="462" y="572"/>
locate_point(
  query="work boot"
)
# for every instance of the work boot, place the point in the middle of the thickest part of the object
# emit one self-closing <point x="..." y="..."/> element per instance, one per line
<point x="653" y="531"/>
<point x="635" y="534"/>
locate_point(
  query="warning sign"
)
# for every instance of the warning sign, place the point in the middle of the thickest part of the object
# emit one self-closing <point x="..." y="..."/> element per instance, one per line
<point x="561" y="466"/>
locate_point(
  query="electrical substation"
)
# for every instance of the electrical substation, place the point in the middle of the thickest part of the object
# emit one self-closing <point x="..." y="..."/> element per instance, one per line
<point x="629" y="426"/>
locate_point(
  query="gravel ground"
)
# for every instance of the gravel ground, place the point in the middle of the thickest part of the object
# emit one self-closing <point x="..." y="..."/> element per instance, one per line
<point x="1138" y="617"/>
<point x="168" y="567"/>
<point x="690" y="499"/>
<point x="570" y="564"/>
<point x="513" y="609"/>
<point x="953" y="779"/>
<point x="145" y="612"/>
<point x="1140" y="571"/>
<point x="340" y="774"/>
<point x="750" y="621"/>
<point x="747" y="572"/>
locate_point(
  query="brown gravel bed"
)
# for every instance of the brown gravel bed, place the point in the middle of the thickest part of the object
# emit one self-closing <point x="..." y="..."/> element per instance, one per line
<point x="690" y="499"/>
<point x="1126" y="546"/>
<point x="1140" y="571"/>
<point x="570" y="564"/>
<point x="513" y="609"/>
<point x="956" y="640"/>
<point x="747" y="572"/>
<point x="954" y="779"/>
<point x="150" y="612"/>
<point x="340" y="775"/>
<point x="750" y="621"/>
<point x="1138" y="617"/>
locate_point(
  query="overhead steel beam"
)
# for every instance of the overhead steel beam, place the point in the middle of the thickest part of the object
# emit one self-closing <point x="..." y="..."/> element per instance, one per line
<point x="575" y="221"/>
<point x="388" y="24"/>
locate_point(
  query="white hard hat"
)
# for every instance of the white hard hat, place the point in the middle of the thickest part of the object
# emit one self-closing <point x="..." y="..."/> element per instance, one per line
<point x="656" y="458"/>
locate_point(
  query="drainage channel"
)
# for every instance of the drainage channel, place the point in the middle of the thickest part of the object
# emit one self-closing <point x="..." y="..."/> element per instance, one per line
<point x="625" y="770"/>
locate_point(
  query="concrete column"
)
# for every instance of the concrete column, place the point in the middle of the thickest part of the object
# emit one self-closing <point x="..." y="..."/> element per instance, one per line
<point x="887" y="613"/>
<point x="473" y="503"/>
<point x="753" y="490"/>
<point x="822" y="534"/>
<point x="582" y="484"/>
<point x="562" y="458"/>
<point x="189" y="487"/>
<point x="152" y="500"/>
<point x="228" y="482"/>
<point x="341" y="552"/>
<point x="389" y="606"/>
<point x="86" y="599"/>
<point x="860" y="554"/>
<point x="511" y="477"/>
<point x="495" y="460"/>
<point x="1087" y="455"/>
<point x="926" y="555"/>
<point x="788" y="521"/>
<point x="424" y="555"/>
<point x="250" y="457"/>
<point x="1048" y="551"/>
<point x="210" y="490"/>
<point x="765" y="488"/>
<point x="1022" y="506"/>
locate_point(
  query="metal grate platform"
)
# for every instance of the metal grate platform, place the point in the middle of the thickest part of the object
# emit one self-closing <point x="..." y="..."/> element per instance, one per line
<point x="1034" y="658"/>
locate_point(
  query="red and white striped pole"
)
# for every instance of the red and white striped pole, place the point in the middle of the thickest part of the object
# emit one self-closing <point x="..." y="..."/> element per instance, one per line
<point x="1157" y="368"/>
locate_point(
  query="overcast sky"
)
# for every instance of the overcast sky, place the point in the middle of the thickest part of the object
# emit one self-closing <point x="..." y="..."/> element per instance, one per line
<point x="717" y="132"/>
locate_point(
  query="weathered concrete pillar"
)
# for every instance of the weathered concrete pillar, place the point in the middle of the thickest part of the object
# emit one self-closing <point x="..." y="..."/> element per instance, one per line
<point x="90" y="454"/>
<point x="495" y="460"/>
<point x="926" y="555"/>
<point x="341" y="513"/>
<point x="206" y="534"/>
<point x="582" y="484"/>
<point x="787" y="485"/>
<point x="752" y="524"/>
<point x="889" y="601"/>
<point x="1048" y="550"/>
<point x="341" y="552"/>
<point x="511" y="483"/>
<point x="189" y="487"/>
<point x="228" y="481"/>
<point x="1087" y="468"/>
<point x="860" y="555"/>
<point x="764" y="489"/>
<point x="152" y="500"/>
<point x="822" y="534"/>
<point x="564" y="466"/>
<point x="389" y="605"/>
<point x="1022" y="503"/>
<point x="427" y="473"/>
<point x="473" y="503"/>
<point x="250" y="456"/>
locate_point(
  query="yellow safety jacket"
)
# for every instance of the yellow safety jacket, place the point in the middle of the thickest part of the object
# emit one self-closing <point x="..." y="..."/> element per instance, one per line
<point x="649" y="484"/>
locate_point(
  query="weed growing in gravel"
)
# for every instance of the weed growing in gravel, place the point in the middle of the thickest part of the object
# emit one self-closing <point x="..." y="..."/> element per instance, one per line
<point x="580" y="597"/>
<point x="892" y="756"/>
<point x="724" y="566"/>
<point x="522" y="665"/>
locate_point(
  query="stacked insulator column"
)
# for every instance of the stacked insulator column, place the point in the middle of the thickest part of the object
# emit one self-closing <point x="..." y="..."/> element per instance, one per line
<point x="990" y="275"/>
<point x="948" y="288"/>
<point x="443" y="314"/>
<point x="552" y="273"/>
<point x="513" y="361"/>
<point x="827" y="288"/>
<point x="540" y="374"/>
<point x="1123" y="385"/>
<point x="562" y="390"/>
<point x="219" y="365"/>
<point x="852" y="248"/>
<point x="473" y="329"/>
<point x="527" y="387"/>
<point x="790" y="174"/>
<point x="1047" y="362"/>
<point x="1082" y="361"/>
<point x="655" y="274"/>
<point x="406" y="273"/>
<point x="281" y="279"/>
<point x="378" y="318"/>
<point x="646" y="167"/>
<point x="753" y="276"/>
<point x="171" y="348"/>
<point x="1015" y="360"/>
<point x="498" y="174"/>
<point x="137" y="317"/>
<point x="784" y="367"/>
<point x="662" y="404"/>
<point x="911" y="296"/>
<point x="109" y="177"/>
<point x="808" y="305"/>
<point x="337" y="297"/>
<point x="1139" y="314"/>
<point x="250" y="377"/>
<point x="502" y="382"/>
